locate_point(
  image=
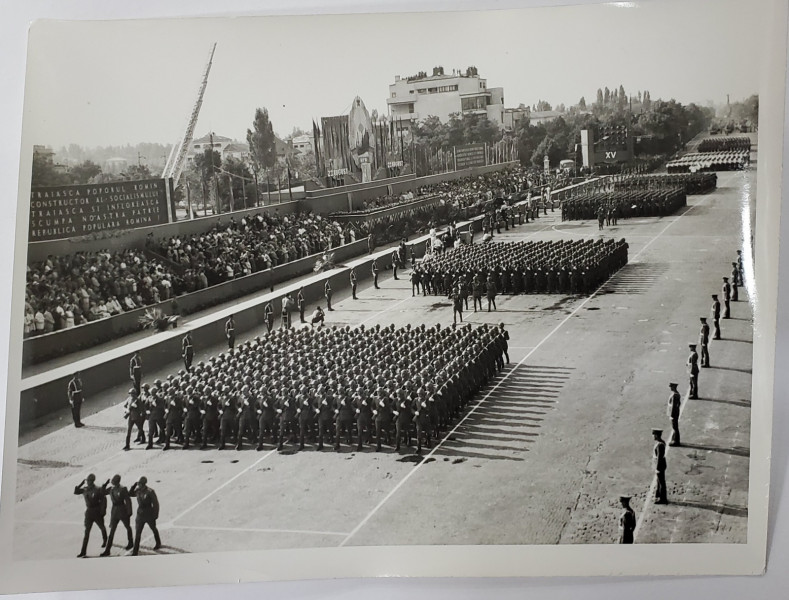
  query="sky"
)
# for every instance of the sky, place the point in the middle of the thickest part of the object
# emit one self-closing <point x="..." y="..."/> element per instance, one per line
<point x="117" y="82"/>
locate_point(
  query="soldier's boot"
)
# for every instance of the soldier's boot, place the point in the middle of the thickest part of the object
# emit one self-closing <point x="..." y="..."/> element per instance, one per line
<point x="150" y="443"/>
<point x="166" y="444"/>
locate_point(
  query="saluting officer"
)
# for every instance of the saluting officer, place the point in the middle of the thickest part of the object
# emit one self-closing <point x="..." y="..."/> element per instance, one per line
<point x="135" y="370"/>
<point x="674" y="405"/>
<point x="95" y="509"/>
<point x="300" y="302"/>
<point x="627" y="521"/>
<point x="268" y="316"/>
<point x="327" y="292"/>
<point x="230" y="333"/>
<point x="693" y="371"/>
<point x="353" y="283"/>
<point x="147" y="513"/>
<point x="704" y="342"/>
<point x="726" y="290"/>
<point x="716" y="317"/>
<point x="75" y="398"/>
<point x="187" y="351"/>
<point x="121" y="512"/>
<point x="659" y="460"/>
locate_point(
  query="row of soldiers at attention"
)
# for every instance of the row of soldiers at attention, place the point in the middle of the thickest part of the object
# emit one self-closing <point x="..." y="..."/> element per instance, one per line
<point x="525" y="267"/>
<point x="323" y="383"/>
<point x="624" y="204"/>
<point x="722" y="144"/>
<point x="692" y="183"/>
<point x="731" y="160"/>
<point x="694" y="363"/>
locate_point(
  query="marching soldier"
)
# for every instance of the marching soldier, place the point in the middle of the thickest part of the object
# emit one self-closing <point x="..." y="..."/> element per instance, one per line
<point x="135" y="370"/>
<point x="121" y="512"/>
<point x="716" y="317"/>
<point x="693" y="371"/>
<point x="268" y="316"/>
<point x="210" y="413"/>
<point x="227" y="417"/>
<point x="267" y="413"/>
<point x="627" y="521"/>
<point x="192" y="419"/>
<point x="174" y="419"/>
<point x="74" y="391"/>
<point x="327" y="292"/>
<point x="476" y="292"/>
<point x="147" y="513"/>
<point x="230" y="333"/>
<point x="674" y="405"/>
<point x="353" y="283"/>
<point x="95" y="509"/>
<point x="187" y="351"/>
<point x="155" y="412"/>
<point x="457" y="305"/>
<point x="659" y="460"/>
<point x="135" y="414"/>
<point x="246" y="417"/>
<point x="415" y="280"/>
<point x="726" y="290"/>
<point x="395" y="260"/>
<point x="374" y="270"/>
<point x="491" y="293"/>
<point x="704" y="342"/>
<point x="301" y="304"/>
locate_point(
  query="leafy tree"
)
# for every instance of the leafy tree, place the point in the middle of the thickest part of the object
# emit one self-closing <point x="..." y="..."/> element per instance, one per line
<point x="208" y="164"/>
<point x="582" y="103"/>
<point x="83" y="172"/>
<point x="456" y="131"/>
<point x="607" y="96"/>
<point x="262" y="144"/>
<point x="135" y="172"/>
<point x="646" y="102"/>
<point x="45" y="173"/>
<point x="622" y="97"/>
<point x="235" y="173"/>
<point x="600" y="100"/>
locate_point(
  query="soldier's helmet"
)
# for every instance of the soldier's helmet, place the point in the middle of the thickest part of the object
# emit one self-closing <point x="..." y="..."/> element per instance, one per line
<point x="143" y="480"/>
<point x="132" y="392"/>
<point x="116" y="479"/>
<point x="91" y="478"/>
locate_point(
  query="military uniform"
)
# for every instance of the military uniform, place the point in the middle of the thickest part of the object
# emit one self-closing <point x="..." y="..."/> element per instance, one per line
<point x="627" y="522"/>
<point x="327" y="292"/>
<point x="230" y="333"/>
<point x="187" y="352"/>
<point x="300" y="302"/>
<point x="95" y="509"/>
<point x="659" y="461"/>
<point x="674" y="406"/>
<point x="374" y="270"/>
<point x="353" y="283"/>
<point x="135" y="371"/>
<point x="716" y="316"/>
<point x="135" y="415"/>
<point x="147" y="513"/>
<point x="704" y="342"/>
<point x="121" y="512"/>
<point x="74" y="391"/>
<point x="268" y="316"/>
<point x="726" y="291"/>
<point x="693" y="371"/>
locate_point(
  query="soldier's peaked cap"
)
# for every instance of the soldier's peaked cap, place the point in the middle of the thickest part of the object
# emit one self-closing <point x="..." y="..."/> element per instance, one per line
<point x="691" y="345"/>
<point x="657" y="432"/>
<point x="703" y="319"/>
<point x="624" y="498"/>
<point x="672" y="385"/>
<point x="725" y="279"/>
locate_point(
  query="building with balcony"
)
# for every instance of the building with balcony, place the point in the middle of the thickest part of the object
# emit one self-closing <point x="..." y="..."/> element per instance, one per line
<point x="417" y="97"/>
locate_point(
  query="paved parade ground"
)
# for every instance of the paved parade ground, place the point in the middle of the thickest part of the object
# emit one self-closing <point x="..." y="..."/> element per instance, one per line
<point x="541" y="457"/>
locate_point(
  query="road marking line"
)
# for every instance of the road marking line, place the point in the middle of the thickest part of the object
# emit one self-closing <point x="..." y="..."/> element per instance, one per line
<point x="495" y="387"/>
<point x="256" y="530"/>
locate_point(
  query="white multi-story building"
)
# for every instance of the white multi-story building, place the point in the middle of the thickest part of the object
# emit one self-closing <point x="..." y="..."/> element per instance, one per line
<point x="417" y="97"/>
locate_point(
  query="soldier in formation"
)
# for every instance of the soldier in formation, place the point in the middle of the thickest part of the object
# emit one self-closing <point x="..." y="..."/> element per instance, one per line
<point x="121" y="512"/>
<point x="95" y="509"/>
<point x="341" y="383"/>
<point x="660" y="464"/>
<point x="674" y="407"/>
<point x="565" y="266"/>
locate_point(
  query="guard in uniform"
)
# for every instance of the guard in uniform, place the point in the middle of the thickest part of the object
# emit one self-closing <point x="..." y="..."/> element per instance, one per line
<point x="95" y="509"/>
<point x="716" y="317"/>
<point x="327" y="292"/>
<point x="135" y="370"/>
<point x="395" y="260"/>
<point x="230" y="333"/>
<point x="147" y="513"/>
<point x="627" y="521"/>
<point x="286" y="303"/>
<point x="300" y="302"/>
<point x="704" y="342"/>
<point x="726" y="290"/>
<point x="374" y="271"/>
<point x="693" y="371"/>
<point x="75" y="398"/>
<point x="187" y="351"/>
<point x="735" y="282"/>
<point x="491" y="293"/>
<point x="268" y="316"/>
<point x="415" y="279"/>
<point x="674" y="405"/>
<point x="659" y="460"/>
<point x="457" y="305"/>
<point x="353" y="283"/>
<point x="121" y="512"/>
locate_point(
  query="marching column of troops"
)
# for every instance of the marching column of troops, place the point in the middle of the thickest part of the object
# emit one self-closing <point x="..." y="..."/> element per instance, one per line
<point x="546" y="267"/>
<point x="121" y="512"/>
<point x="723" y="144"/>
<point x="692" y="183"/>
<point x="730" y="160"/>
<point x="322" y="384"/>
<point x="624" y="204"/>
<point x="730" y="293"/>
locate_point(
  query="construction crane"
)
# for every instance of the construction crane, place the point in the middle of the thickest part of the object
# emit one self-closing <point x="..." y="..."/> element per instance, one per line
<point x="175" y="162"/>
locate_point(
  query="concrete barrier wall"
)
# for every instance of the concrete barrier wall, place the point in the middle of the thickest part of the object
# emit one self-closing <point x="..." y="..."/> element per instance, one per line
<point x="135" y="238"/>
<point x="45" y="393"/>
<point x="60" y="343"/>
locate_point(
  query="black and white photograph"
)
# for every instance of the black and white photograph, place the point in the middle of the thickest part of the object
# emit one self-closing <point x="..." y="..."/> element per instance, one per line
<point x="357" y="294"/>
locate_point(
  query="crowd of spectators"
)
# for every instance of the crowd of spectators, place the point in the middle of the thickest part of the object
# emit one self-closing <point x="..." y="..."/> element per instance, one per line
<point x="71" y="290"/>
